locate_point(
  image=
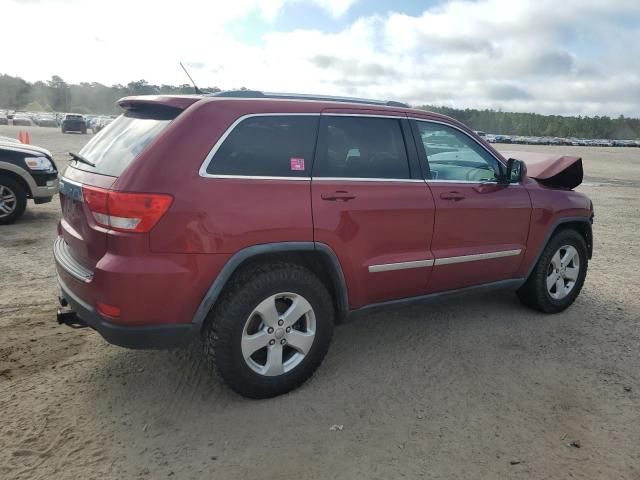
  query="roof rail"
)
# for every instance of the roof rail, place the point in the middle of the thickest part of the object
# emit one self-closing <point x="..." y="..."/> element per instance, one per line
<point x="299" y="96"/>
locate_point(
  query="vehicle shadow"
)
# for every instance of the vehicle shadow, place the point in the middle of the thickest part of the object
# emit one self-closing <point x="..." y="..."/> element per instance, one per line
<point x="368" y="356"/>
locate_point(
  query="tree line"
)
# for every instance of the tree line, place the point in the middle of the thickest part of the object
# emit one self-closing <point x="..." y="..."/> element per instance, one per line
<point x="59" y="96"/>
<point x="56" y="95"/>
<point x="534" y="124"/>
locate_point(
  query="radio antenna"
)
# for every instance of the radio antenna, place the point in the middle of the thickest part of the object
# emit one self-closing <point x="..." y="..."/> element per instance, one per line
<point x="195" y="87"/>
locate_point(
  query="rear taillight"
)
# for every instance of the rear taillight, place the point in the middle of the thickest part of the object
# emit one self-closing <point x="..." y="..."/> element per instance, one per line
<point x="126" y="212"/>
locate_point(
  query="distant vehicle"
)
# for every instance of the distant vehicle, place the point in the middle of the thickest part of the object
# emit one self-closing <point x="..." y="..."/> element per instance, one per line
<point x="21" y="119"/>
<point x="10" y="114"/>
<point x="26" y="172"/>
<point x="73" y="122"/>
<point x="503" y="139"/>
<point x="46" y="120"/>
<point x="4" y="119"/>
<point x="100" y="123"/>
<point x="90" y="120"/>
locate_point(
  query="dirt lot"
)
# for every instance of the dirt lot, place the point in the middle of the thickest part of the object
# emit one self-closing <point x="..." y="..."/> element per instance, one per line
<point x="480" y="388"/>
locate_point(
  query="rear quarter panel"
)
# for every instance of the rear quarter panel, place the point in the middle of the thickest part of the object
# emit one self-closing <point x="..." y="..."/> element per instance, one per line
<point x="213" y="215"/>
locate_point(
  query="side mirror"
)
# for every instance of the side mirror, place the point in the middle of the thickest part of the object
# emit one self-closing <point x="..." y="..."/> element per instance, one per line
<point x="516" y="171"/>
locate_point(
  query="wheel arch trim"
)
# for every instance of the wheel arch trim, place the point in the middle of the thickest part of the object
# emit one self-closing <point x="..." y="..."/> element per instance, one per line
<point x="552" y="230"/>
<point x="240" y="257"/>
<point x="14" y="169"/>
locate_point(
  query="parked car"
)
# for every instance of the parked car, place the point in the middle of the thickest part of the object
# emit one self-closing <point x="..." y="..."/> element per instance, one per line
<point x="21" y="119"/>
<point x="290" y="214"/>
<point x="100" y="123"/>
<point x="46" y="120"/>
<point x="4" y="120"/>
<point x="26" y="172"/>
<point x="73" y="122"/>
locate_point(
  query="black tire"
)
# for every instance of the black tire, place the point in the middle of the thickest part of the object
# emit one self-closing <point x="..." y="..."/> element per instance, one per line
<point x="20" y="203"/>
<point x="64" y="131"/>
<point x="534" y="292"/>
<point x="226" y="322"/>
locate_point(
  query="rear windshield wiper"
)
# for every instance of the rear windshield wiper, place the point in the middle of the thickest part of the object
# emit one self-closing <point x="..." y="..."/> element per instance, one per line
<point x="79" y="158"/>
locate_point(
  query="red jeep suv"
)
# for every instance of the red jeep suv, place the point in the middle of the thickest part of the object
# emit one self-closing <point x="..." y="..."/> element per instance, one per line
<point x="254" y="222"/>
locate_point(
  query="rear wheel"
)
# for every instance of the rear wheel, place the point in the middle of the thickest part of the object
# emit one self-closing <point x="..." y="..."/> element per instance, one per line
<point x="13" y="200"/>
<point x="270" y="330"/>
<point x="558" y="276"/>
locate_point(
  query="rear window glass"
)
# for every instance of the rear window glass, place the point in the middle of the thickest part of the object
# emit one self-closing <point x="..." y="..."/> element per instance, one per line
<point x="115" y="147"/>
<point x="74" y="117"/>
<point x="274" y="146"/>
<point x="362" y="147"/>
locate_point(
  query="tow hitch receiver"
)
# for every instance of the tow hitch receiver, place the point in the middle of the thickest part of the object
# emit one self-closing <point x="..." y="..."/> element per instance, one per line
<point x="66" y="316"/>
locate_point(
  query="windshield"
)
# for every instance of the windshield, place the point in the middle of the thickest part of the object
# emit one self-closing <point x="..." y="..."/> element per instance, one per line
<point x="115" y="147"/>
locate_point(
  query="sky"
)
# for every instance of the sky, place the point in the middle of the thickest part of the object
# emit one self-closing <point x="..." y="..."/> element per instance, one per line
<point x="573" y="57"/>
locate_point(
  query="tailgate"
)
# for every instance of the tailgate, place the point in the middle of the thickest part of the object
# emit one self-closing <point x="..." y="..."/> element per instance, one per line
<point x="102" y="160"/>
<point x="85" y="241"/>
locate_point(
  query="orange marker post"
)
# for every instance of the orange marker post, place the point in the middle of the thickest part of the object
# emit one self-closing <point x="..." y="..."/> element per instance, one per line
<point x="20" y="137"/>
<point x="27" y="140"/>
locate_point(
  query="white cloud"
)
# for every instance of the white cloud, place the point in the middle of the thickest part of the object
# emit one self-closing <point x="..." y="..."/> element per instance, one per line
<point x="572" y="56"/>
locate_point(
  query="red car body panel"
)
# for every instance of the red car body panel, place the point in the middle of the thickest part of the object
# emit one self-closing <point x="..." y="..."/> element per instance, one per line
<point x="385" y="222"/>
<point x="161" y="277"/>
<point x="488" y="218"/>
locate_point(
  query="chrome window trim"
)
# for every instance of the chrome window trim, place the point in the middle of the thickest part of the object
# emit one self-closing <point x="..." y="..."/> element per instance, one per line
<point x="203" y="168"/>
<point x="373" y="115"/>
<point x="388" y="267"/>
<point x="257" y="177"/>
<point x="364" y="179"/>
<point x="462" y="131"/>
<point x="478" y="256"/>
<point x="461" y="181"/>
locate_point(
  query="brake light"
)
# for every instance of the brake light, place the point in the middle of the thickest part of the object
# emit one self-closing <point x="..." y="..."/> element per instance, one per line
<point x="126" y="212"/>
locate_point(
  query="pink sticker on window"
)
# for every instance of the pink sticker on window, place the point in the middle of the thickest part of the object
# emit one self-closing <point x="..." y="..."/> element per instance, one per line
<point x="297" y="164"/>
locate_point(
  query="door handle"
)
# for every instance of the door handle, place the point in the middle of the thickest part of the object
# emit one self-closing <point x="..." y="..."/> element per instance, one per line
<point x="338" y="196"/>
<point x="455" y="196"/>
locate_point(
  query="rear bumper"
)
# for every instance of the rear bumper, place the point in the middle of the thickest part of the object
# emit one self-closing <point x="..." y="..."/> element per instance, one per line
<point x="149" y="337"/>
<point x="74" y="127"/>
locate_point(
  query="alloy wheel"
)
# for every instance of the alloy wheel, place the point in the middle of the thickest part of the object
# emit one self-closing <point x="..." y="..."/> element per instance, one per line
<point x="563" y="272"/>
<point x="8" y="201"/>
<point x="278" y="334"/>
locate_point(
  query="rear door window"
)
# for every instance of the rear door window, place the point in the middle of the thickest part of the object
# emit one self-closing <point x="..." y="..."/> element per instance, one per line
<point x="361" y="147"/>
<point x="115" y="147"/>
<point x="271" y="146"/>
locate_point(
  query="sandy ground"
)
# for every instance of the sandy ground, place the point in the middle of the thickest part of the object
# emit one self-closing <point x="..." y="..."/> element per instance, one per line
<point x="473" y="388"/>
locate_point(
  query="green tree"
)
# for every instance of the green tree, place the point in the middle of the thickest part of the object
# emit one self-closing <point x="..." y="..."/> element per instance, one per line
<point x="59" y="94"/>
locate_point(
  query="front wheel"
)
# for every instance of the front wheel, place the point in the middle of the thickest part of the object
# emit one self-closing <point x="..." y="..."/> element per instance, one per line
<point x="270" y="330"/>
<point x="13" y="200"/>
<point x="558" y="276"/>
